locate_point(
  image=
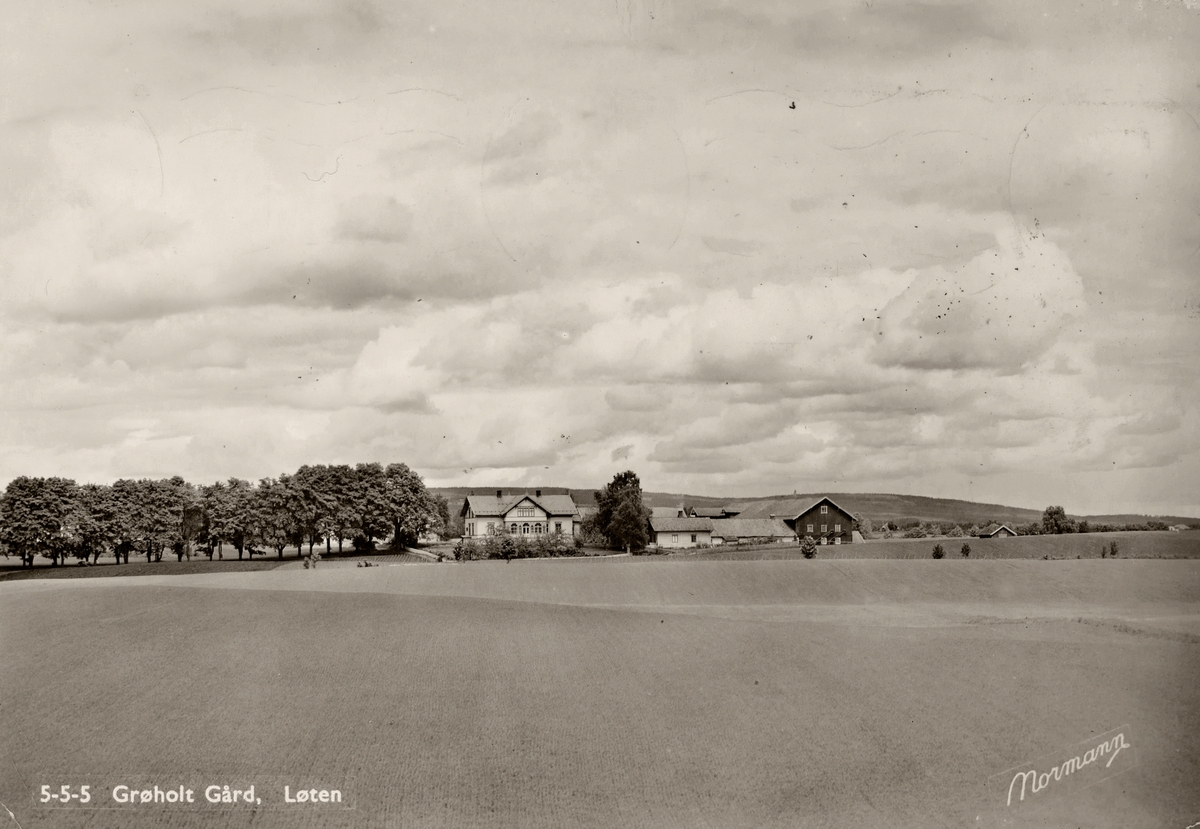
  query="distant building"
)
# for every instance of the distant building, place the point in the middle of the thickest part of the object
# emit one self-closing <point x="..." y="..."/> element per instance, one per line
<point x="519" y="514"/>
<point x="713" y="512"/>
<point x="680" y="532"/>
<point x="825" y="521"/>
<point x="751" y="531"/>
<point x="997" y="531"/>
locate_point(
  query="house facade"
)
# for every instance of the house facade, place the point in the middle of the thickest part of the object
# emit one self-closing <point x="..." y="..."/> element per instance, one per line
<point x="520" y="513"/>
<point x="680" y="532"/>
<point x="825" y="522"/>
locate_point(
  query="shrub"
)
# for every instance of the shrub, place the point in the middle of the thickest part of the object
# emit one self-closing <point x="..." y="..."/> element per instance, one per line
<point x="955" y="532"/>
<point x="938" y="551"/>
<point x="966" y="550"/>
<point x="915" y="532"/>
<point x="1112" y="549"/>
<point x="808" y="547"/>
<point x="1103" y="551"/>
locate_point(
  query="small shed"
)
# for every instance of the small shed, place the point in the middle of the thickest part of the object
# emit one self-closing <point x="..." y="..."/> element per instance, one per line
<point x="997" y="531"/>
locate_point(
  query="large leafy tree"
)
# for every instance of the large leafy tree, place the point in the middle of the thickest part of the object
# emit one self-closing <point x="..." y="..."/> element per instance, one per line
<point x="36" y="517"/>
<point x="410" y="509"/>
<point x="620" y="514"/>
<point x="229" y="509"/>
<point x="316" y="501"/>
<point x="94" y="521"/>
<point x="277" y="519"/>
<point x="1055" y="521"/>
<point x="372" y="507"/>
<point x="342" y="483"/>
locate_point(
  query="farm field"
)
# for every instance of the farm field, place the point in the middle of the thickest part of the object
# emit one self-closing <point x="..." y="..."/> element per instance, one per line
<point x="1131" y="544"/>
<point x="539" y="694"/>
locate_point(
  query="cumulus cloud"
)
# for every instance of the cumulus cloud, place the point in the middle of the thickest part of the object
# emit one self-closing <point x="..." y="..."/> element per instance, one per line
<point x="1000" y="310"/>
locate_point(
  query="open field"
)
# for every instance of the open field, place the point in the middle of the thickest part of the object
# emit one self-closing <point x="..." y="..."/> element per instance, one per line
<point x="1085" y="545"/>
<point x="541" y="694"/>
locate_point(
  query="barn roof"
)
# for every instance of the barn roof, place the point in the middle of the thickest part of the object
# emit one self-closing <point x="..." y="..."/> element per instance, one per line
<point x="751" y="528"/>
<point x="680" y="525"/>
<point x="992" y="529"/>
<point x="709" y="512"/>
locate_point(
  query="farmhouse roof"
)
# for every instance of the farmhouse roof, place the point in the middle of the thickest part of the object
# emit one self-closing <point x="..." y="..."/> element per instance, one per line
<point x="709" y="512"/>
<point x="680" y="525"/>
<point x="818" y="501"/>
<point x="664" y="512"/>
<point x="751" y="528"/>
<point x="489" y="505"/>
<point x="992" y="529"/>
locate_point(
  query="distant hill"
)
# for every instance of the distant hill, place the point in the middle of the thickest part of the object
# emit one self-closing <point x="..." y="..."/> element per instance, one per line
<point x="879" y="507"/>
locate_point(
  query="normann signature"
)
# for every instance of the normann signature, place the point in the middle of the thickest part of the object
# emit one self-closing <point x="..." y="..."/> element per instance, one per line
<point x="1038" y="782"/>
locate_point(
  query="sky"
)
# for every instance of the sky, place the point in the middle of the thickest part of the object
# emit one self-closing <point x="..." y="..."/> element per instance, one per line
<point x="743" y="249"/>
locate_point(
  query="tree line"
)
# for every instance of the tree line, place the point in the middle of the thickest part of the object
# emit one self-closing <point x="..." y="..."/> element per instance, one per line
<point x="364" y="504"/>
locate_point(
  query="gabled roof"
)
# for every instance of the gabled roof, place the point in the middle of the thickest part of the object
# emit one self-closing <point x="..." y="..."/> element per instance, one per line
<point x="680" y="525"/>
<point x="992" y="529"/>
<point x="751" y="528"/>
<point x="487" y="506"/>
<point x="664" y="512"/>
<point x="708" y="512"/>
<point x="817" y="503"/>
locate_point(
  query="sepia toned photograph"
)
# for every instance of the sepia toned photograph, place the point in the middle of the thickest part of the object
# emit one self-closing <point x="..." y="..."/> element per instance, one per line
<point x="600" y="414"/>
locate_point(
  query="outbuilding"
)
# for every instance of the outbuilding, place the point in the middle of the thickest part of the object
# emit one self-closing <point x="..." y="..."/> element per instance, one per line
<point x="680" y="532"/>
<point x="997" y="531"/>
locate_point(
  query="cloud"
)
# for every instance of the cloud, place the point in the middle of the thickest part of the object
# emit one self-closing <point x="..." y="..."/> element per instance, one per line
<point x="1000" y="310"/>
<point x="375" y="218"/>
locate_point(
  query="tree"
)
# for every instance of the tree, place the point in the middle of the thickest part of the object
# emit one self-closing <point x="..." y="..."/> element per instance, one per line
<point x="938" y="551"/>
<point x="409" y="508"/>
<point x="371" y="507"/>
<point x="808" y="547"/>
<point x="94" y="521"/>
<point x="966" y="550"/>
<point x="316" y="501"/>
<point x="1055" y="521"/>
<point x="620" y="514"/>
<point x="230" y="518"/>
<point x="36" y="517"/>
<point x="864" y="526"/>
<point x="275" y="519"/>
<point x="342" y="484"/>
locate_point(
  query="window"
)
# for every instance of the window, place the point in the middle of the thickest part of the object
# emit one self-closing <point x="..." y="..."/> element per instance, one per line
<point x="491" y="528"/>
<point x="470" y="529"/>
<point x="674" y="538"/>
<point x="693" y="538"/>
<point x="824" y="528"/>
<point x="524" y="529"/>
<point x="513" y="529"/>
<point x="558" y="527"/>
<point x="837" y="539"/>
<point x="524" y="512"/>
<point x="824" y="509"/>
<point x="537" y="529"/>
<point x="810" y="527"/>
<point x="837" y="528"/>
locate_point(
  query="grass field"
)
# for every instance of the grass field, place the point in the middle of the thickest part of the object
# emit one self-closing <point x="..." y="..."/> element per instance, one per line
<point x="544" y="694"/>
<point x="1088" y="545"/>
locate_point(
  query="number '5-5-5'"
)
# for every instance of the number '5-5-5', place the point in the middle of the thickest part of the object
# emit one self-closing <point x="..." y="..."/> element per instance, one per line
<point x="64" y="794"/>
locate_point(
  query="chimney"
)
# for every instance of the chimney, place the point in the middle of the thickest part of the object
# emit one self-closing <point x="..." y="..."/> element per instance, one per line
<point x="772" y="516"/>
<point x="538" y="493"/>
<point x="499" y="493"/>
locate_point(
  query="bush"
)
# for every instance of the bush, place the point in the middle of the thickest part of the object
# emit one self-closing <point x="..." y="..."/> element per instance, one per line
<point x="955" y="532"/>
<point x="808" y="547"/>
<point x="915" y="532"/>
<point x="938" y="551"/>
<point x="966" y="550"/>
<point x="1112" y="549"/>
